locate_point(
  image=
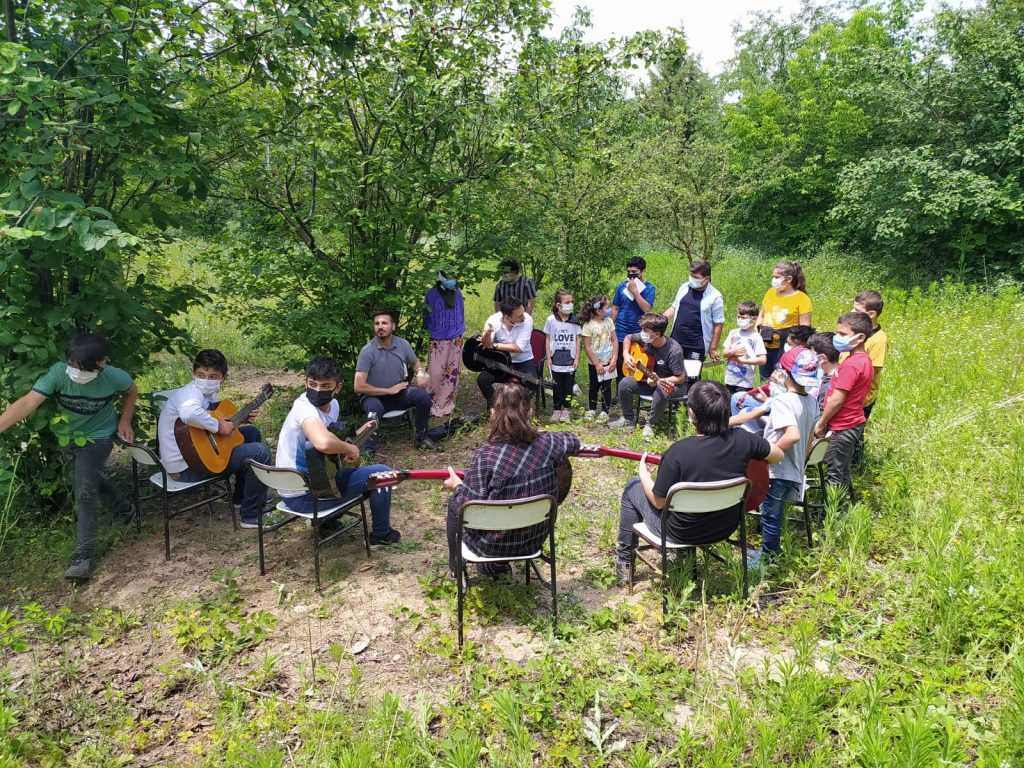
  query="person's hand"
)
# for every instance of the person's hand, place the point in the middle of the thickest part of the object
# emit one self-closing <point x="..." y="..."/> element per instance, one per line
<point x="225" y="427"/>
<point x="761" y="397"/>
<point x="633" y="286"/>
<point x="643" y="470"/>
<point x="395" y="389"/>
<point x="253" y="415"/>
<point x="351" y="453"/>
<point x="422" y="379"/>
<point x="452" y="481"/>
<point x="125" y="431"/>
<point x="667" y="387"/>
<point x="713" y="354"/>
<point x="487" y="340"/>
<point x="820" y="429"/>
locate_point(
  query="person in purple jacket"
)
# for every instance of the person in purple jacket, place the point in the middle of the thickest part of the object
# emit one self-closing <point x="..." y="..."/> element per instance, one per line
<point x="445" y="321"/>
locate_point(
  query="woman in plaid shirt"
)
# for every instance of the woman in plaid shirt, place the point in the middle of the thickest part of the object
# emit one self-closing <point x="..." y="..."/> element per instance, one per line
<point x="516" y="462"/>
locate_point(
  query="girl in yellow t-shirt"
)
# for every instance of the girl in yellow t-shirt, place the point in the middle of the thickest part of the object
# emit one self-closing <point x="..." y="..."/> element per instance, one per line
<point x="784" y="305"/>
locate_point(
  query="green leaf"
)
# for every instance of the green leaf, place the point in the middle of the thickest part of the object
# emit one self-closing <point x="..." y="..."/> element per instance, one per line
<point x="19" y="233"/>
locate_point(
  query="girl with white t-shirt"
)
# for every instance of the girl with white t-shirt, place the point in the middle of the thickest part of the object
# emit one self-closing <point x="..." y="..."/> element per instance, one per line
<point x="563" y="352"/>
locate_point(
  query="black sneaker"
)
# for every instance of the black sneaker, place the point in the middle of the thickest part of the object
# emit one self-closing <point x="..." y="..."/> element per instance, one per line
<point x="391" y="537"/>
<point x="426" y="443"/>
<point x="79" y="570"/>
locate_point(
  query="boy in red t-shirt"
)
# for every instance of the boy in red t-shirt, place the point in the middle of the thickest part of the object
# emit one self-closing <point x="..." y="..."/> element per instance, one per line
<point x="843" y="414"/>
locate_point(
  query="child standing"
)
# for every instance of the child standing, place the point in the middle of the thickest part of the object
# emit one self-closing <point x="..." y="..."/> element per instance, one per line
<point x="744" y="349"/>
<point x="843" y="414"/>
<point x="877" y="344"/>
<point x="563" y="351"/>
<point x="602" y="348"/>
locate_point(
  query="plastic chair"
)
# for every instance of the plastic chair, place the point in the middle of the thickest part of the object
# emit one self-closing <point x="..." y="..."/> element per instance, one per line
<point x="143" y="456"/>
<point x="389" y="418"/>
<point x="506" y="515"/>
<point x="539" y="347"/>
<point x="324" y="511"/>
<point x="814" y="483"/>
<point x="692" y="498"/>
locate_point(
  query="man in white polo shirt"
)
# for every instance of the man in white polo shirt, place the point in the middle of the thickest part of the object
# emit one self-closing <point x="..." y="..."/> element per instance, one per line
<point x="508" y="330"/>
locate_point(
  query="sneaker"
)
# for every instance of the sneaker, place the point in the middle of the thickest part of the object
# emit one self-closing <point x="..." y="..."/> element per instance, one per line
<point x="621" y="423"/>
<point x="426" y="443"/>
<point x="648" y="432"/>
<point x="602" y="417"/>
<point x="79" y="570"/>
<point x="391" y="537"/>
<point x="589" y="416"/>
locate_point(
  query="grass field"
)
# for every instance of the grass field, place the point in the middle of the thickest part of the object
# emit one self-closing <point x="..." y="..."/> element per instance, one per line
<point x="894" y="642"/>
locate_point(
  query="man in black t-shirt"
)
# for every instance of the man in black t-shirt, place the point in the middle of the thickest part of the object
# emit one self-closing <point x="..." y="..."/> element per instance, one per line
<point x="667" y="365"/>
<point x="513" y="285"/>
<point x="716" y="452"/>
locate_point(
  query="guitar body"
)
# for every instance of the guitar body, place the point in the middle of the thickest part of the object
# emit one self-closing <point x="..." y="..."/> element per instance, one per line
<point x="322" y="468"/>
<point x="478" y="358"/>
<point x="643" y="362"/>
<point x="207" y="451"/>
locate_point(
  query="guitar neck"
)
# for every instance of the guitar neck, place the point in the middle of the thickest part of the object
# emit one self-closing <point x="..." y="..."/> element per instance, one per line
<point x="242" y="414"/>
<point x="601" y="451"/>
<point x="389" y="479"/>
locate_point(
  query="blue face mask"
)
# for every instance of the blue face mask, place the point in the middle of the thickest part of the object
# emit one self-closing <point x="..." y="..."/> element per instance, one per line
<point x="449" y="284"/>
<point x="843" y="343"/>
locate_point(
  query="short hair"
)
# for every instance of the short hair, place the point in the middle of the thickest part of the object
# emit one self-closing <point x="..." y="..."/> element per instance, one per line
<point x="858" y="322"/>
<point x="389" y="312"/>
<point x="747" y="308"/>
<point x="510" y="264"/>
<point x="822" y="344"/>
<point x="800" y="333"/>
<point x="637" y="261"/>
<point x="86" y="349"/>
<point x="323" y="369"/>
<point x="709" y="401"/>
<point x="700" y="267"/>
<point x="211" y="358"/>
<point x="870" y="300"/>
<point x="654" y="321"/>
<point x="509" y="304"/>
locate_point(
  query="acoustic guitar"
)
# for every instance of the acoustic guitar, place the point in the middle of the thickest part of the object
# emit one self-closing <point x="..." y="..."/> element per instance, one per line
<point x="642" y="369"/>
<point x="478" y="358"/>
<point x="208" y="451"/>
<point x="322" y="468"/>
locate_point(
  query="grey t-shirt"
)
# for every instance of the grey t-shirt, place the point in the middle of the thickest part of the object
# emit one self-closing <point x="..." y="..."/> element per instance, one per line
<point x="668" y="358"/>
<point x="789" y="410"/>
<point x="386" y="366"/>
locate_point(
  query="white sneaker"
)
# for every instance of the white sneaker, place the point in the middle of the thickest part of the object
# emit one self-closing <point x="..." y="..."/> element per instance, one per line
<point x="620" y="423"/>
<point x="589" y="415"/>
<point x="648" y="432"/>
<point x="602" y="417"/>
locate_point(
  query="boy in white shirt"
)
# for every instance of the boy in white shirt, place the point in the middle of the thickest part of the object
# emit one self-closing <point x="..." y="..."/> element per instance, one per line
<point x="305" y="426"/>
<point x="508" y="330"/>
<point x="744" y="350"/>
<point x="192" y="403"/>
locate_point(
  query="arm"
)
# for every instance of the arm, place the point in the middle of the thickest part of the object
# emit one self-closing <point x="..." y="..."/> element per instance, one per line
<point x="789" y="438"/>
<point x="548" y="351"/>
<point x="326" y="442"/>
<point x="363" y="387"/>
<point x="643" y="303"/>
<point x="775" y="455"/>
<point x="615" y="352"/>
<point x="21" y="409"/>
<point x="529" y="306"/>
<point x="576" y="354"/>
<point x="716" y="335"/>
<point x="193" y="414"/>
<point x="751" y="415"/>
<point x="658" y="502"/>
<point x="590" y="353"/>
<point x="832" y="405"/>
<point x="805" y="318"/>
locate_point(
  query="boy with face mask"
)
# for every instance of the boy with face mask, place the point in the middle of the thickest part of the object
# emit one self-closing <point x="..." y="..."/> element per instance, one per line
<point x="843" y="414"/>
<point x="85" y="389"/>
<point x="306" y="425"/>
<point x="192" y="403"/>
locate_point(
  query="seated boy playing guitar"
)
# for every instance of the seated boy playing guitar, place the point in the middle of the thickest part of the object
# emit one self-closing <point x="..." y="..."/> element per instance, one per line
<point x="191" y="405"/>
<point x="665" y="371"/>
<point x="307" y="424"/>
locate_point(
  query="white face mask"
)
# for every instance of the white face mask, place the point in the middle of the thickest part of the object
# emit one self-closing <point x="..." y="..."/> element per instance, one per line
<point x="786" y="347"/>
<point x="567" y="308"/>
<point x="645" y="337"/>
<point x="81" y="377"/>
<point x="777" y="282"/>
<point x="744" y="322"/>
<point x="697" y="285"/>
<point x="207" y="386"/>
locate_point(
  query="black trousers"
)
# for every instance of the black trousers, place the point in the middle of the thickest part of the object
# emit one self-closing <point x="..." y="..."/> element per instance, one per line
<point x="564" y="383"/>
<point x="486" y="380"/>
<point x="605" y="388"/>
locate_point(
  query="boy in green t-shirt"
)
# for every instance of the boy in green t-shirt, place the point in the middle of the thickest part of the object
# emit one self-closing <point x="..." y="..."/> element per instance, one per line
<point x="85" y="389"/>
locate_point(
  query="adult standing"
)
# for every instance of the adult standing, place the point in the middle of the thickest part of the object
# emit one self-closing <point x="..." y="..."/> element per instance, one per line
<point x="785" y="304"/>
<point x="445" y="321"/>
<point x="514" y="285"/>
<point x="382" y="377"/>
<point x="634" y="297"/>
<point x="699" y="312"/>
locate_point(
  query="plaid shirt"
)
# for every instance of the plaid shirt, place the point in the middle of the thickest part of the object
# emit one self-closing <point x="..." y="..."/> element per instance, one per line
<point x="506" y="471"/>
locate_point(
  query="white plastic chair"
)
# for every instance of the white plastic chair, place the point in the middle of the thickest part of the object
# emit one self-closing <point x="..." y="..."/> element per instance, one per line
<point x="324" y="511"/>
<point x="506" y="515"/>
<point x="143" y="456"/>
<point x="691" y="498"/>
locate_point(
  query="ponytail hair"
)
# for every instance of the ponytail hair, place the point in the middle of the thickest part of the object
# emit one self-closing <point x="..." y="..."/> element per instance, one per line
<point x="795" y="273"/>
<point x="587" y="311"/>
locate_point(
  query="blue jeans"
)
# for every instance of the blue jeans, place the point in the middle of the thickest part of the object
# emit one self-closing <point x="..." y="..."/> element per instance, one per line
<point x="772" y="509"/>
<point x="354" y="483"/>
<point x="250" y="493"/>
<point x="411" y="397"/>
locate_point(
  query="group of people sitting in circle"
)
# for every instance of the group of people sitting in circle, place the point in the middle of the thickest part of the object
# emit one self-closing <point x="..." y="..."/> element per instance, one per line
<point x="811" y="384"/>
